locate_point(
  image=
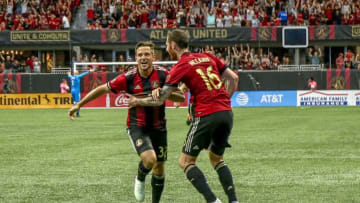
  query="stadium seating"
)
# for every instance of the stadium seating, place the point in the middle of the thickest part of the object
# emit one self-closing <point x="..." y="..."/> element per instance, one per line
<point x="36" y="15"/>
<point x="228" y="13"/>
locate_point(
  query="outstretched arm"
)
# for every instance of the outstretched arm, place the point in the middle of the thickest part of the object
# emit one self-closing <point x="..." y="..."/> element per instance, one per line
<point x="95" y="93"/>
<point x="177" y="95"/>
<point x="151" y="101"/>
<point x="83" y="74"/>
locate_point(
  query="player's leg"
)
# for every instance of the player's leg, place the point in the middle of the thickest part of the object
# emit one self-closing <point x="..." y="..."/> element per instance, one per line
<point x="159" y="141"/>
<point x="78" y="98"/>
<point x="143" y="146"/>
<point x="219" y="142"/>
<point x="157" y="181"/>
<point x="195" y="142"/>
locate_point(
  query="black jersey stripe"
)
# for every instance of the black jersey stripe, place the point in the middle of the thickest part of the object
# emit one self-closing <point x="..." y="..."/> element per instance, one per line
<point x="130" y="89"/>
<point x="148" y="110"/>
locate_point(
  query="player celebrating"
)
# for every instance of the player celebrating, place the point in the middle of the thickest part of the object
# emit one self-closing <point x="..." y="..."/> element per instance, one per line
<point x="211" y="127"/>
<point x="146" y="125"/>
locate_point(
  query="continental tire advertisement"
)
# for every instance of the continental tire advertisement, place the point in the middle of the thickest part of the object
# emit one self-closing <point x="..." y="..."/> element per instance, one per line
<point x="35" y="101"/>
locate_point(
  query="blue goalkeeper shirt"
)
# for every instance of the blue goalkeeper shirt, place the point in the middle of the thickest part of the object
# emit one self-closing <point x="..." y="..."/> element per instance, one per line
<point x="75" y="85"/>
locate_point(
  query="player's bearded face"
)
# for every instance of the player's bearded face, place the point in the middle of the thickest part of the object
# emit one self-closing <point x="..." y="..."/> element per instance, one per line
<point x="144" y="57"/>
<point x="171" y="51"/>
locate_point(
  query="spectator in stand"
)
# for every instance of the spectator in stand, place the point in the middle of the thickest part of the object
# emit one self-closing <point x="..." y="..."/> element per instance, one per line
<point x="349" y="56"/>
<point x="144" y="15"/>
<point x="228" y="20"/>
<point x="122" y="23"/>
<point x="9" y="62"/>
<point x="37" y="65"/>
<point x="112" y="23"/>
<point x="275" y="63"/>
<point x="312" y="84"/>
<point x="219" y="21"/>
<point x="348" y="64"/>
<point x="256" y="61"/>
<point x="65" y="22"/>
<point x="29" y="65"/>
<point x="337" y="17"/>
<point x="64" y="87"/>
<point x="210" y="18"/>
<point x="283" y="16"/>
<point x="191" y="19"/>
<point x="131" y="21"/>
<point x="2" y="26"/>
<point x="315" y="56"/>
<point x="90" y="13"/>
<point x="357" y="59"/>
<point x="237" y="20"/>
<point x="104" y="20"/>
<point x="340" y="61"/>
<point x="2" y="67"/>
<point x="121" y="68"/>
<point x="265" y="61"/>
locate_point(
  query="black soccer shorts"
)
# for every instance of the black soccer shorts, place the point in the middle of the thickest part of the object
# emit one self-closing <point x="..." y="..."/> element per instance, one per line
<point x="209" y="132"/>
<point x="143" y="139"/>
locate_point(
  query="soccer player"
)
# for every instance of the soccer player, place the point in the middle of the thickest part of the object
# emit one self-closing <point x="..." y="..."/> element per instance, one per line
<point x="75" y="87"/>
<point x="146" y="125"/>
<point x="211" y="127"/>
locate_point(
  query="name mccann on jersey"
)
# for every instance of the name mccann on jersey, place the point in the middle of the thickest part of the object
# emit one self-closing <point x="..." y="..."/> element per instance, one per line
<point x="199" y="60"/>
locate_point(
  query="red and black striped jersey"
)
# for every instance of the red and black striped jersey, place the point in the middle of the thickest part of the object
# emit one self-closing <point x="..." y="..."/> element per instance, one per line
<point x="132" y="83"/>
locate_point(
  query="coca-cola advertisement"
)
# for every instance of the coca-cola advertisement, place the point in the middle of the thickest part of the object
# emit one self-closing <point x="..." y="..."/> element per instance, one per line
<point x="111" y="100"/>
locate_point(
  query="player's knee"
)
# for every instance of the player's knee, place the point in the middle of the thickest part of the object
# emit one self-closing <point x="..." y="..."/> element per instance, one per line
<point x="181" y="163"/>
<point x="158" y="169"/>
<point x="149" y="160"/>
<point x="215" y="159"/>
<point x="185" y="161"/>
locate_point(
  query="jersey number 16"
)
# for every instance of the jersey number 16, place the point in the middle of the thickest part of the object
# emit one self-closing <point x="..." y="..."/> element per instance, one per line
<point x="209" y="78"/>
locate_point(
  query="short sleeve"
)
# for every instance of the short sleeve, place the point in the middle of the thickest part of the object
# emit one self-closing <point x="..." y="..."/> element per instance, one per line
<point x="175" y="75"/>
<point x="118" y="84"/>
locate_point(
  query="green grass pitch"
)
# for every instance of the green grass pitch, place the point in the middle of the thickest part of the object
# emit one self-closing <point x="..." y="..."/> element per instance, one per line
<point x="278" y="155"/>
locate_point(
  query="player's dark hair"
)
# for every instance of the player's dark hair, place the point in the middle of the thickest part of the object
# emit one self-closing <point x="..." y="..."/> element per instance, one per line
<point x="180" y="37"/>
<point x="145" y="44"/>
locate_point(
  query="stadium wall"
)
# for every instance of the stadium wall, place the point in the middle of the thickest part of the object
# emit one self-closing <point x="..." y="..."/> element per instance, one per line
<point x="112" y="37"/>
<point x="248" y="80"/>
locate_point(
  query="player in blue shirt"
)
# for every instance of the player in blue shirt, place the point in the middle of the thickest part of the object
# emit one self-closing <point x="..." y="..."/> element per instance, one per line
<point x="75" y="87"/>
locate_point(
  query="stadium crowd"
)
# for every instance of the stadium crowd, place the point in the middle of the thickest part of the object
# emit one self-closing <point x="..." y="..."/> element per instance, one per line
<point x="238" y="57"/>
<point x="127" y="14"/>
<point x="36" y="14"/>
<point x="132" y="14"/>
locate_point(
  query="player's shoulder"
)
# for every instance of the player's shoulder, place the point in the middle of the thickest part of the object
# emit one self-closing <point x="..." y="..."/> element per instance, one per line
<point x="159" y="68"/>
<point x="130" y="73"/>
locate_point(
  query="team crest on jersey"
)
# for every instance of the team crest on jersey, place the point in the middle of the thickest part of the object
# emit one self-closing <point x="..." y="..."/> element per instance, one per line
<point x="155" y="84"/>
<point x="139" y="142"/>
<point x="137" y="87"/>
